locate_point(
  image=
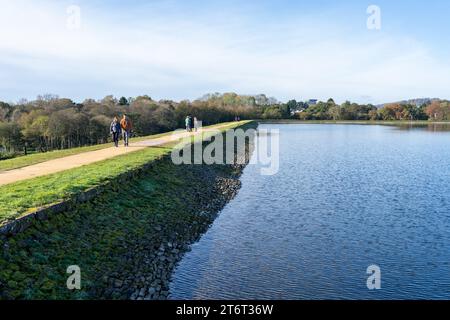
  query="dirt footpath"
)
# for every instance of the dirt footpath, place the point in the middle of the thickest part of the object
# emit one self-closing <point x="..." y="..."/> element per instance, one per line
<point x="78" y="160"/>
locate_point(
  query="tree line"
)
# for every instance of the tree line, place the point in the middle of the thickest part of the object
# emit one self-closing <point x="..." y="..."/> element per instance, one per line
<point x="51" y="123"/>
<point x="435" y="110"/>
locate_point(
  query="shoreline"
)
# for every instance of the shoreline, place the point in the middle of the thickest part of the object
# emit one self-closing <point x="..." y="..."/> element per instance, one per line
<point x="366" y="122"/>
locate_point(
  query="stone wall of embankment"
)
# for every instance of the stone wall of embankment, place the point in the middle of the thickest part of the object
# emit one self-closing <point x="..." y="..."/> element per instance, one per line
<point x="125" y="236"/>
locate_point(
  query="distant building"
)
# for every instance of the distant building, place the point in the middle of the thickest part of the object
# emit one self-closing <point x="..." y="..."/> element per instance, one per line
<point x="295" y="112"/>
<point x="312" y="102"/>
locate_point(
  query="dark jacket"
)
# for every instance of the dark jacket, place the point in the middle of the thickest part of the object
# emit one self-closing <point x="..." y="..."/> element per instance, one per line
<point x="115" y="127"/>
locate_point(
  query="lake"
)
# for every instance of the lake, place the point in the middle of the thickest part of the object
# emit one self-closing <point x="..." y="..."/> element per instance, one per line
<point x="345" y="197"/>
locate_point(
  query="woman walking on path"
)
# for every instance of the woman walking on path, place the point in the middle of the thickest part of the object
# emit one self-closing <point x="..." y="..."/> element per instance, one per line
<point x="115" y="131"/>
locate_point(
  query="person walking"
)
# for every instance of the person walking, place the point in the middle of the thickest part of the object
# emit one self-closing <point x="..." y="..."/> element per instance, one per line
<point x="188" y="124"/>
<point x="115" y="131"/>
<point x="126" y="126"/>
<point x="196" y="124"/>
<point x="191" y="123"/>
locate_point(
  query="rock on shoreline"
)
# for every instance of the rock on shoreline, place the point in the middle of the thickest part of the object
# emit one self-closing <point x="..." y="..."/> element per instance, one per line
<point x="152" y="278"/>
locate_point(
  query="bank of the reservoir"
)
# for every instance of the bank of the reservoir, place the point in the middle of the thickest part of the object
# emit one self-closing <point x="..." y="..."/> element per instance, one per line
<point x="126" y="240"/>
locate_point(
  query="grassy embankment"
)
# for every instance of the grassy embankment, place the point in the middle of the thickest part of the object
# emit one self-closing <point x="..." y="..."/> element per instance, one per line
<point x="116" y="238"/>
<point x="26" y="196"/>
<point x="23" y="161"/>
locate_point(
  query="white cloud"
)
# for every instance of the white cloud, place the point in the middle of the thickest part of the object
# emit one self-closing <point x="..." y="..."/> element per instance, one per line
<point x="169" y="54"/>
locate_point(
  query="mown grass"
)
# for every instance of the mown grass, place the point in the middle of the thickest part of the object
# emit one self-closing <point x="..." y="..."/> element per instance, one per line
<point x="35" y="158"/>
<point x="25" y="196"/>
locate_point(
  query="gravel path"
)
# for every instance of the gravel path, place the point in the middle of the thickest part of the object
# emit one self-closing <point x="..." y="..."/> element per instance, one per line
<point x="78" y="160"/>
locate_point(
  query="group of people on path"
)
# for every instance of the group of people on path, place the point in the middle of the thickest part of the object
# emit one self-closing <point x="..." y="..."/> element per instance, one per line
<point x="192" y="124"/>
<point x="122" y="127"/>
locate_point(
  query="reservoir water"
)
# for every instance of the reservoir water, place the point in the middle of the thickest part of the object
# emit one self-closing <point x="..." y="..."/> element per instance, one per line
<point x="345" y="197"/>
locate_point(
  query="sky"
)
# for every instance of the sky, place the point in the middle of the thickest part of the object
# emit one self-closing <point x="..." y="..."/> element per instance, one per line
<point x="183" y="49"/>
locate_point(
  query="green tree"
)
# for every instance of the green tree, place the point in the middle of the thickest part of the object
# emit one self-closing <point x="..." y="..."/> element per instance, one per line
<point x="292" y="104"/>
<point x="285" y="111"/>
<point x="272" y="113"/>
<point x="10" y="136"/>
<point x="123" y="101"/>
<point x="5" y="111"/>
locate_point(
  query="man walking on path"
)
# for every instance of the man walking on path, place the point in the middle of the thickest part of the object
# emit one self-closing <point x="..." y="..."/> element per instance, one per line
<point x="115" y="130"/>
<point x="126" y="126"/>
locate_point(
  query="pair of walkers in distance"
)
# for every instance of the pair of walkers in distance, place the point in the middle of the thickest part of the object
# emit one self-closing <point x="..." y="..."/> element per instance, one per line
<point x="192" y="124"/>
<point x="125" y="126"/>
<point x="122" y="127"/>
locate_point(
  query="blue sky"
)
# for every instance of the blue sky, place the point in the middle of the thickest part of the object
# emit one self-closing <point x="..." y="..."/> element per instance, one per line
<point x="184" y="49"/>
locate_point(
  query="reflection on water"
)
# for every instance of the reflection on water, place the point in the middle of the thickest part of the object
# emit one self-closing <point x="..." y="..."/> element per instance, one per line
<point x="345" y="197"/>
<point x="432" y="127"/>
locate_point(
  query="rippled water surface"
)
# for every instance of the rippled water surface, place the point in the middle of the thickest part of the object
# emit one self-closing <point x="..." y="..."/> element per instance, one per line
<point x="345" y="197"/>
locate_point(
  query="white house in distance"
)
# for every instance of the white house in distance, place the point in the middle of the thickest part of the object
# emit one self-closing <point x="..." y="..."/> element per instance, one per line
<point x="310" y="102"/>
